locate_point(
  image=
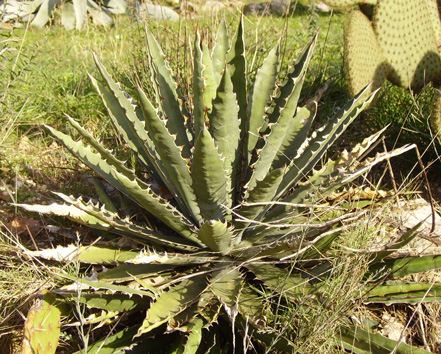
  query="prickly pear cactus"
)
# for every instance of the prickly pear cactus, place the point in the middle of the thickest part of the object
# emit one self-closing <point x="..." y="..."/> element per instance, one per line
<point x="405" y="34"/>
<point x="361" y="43"/>
<point x="42" y="327"/>
<point x="435" y="116"/>
<point x="347" y="3"/>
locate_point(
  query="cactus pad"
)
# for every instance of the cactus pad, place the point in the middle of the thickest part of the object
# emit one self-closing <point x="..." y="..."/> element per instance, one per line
<point x="42" y="327"/>
<point x="435" y="116"/>
<point x="347" y="3"/>
<point x="364" y="60"/>
<point x="405" y="34"/>
<point x="432" y="6"/>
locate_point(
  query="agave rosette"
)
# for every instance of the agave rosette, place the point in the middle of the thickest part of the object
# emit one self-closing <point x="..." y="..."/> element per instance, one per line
<point x="244" y="198"/>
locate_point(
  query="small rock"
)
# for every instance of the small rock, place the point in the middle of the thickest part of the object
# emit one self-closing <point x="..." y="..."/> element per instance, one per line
<point x="320" y="6"/>
<point x="157" y="12"/>
<point x="420" y="210"/>
<point x="212" y="6"/>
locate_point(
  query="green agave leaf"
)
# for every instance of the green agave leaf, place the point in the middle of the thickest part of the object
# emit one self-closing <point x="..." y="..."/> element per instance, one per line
<point x="85" y="254"/>
<point x="68" y="16"/>
<point x="323" y="181"/>
<point x="111" y="302"/>
<point x="274" y="138"/>
<point x="404" y="292"/>
<point x="98" y="218"/>
<point x="219" y="52"/>
<point x="363" y="342"/>
<point x="236" y="65"/>
<point x="198" y="88"/>
<point x="227" y="285"/>
<point x="294" y="76"/>
<point x="98" y="14"/>
<point x="251" y="308"/>
<point x="190" y="343"/>
<point x="209" y="180"/>
<point x="44" y="13"/>
<point x="120" y="341"/>
<point x="260" y="96"/>
<point x="103" y="197"/>
<point x="224" y="128"/>
<point x="254" y="204"/>
<point x="400" y="267"/>
<point x="125" y="118"/>
<point x="128" y="271"/>
<point x="133" y="188"/>
<point x="96" y="285"/>
<point x="80" y="8"/>
<point x="296" y="134"/>
<point x="171" y="102"/>
<point x="170" y="155"/>
<point x="280" y="280"/>
<point x="216" y="236"/>
<point x="323" y="139"/>
<point x="208" y="76"/>
<point x="172" y="302"/>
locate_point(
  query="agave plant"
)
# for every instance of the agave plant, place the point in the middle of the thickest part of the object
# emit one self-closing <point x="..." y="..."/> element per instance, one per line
<point x="234" y="204"/>
<point x="73" y="13"/>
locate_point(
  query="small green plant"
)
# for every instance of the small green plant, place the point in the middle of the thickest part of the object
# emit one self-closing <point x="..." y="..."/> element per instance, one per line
<point x="74" y="13"/>
<point x="233" y="205"/>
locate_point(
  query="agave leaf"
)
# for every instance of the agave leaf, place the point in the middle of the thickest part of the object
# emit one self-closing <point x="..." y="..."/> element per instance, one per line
<point x="85" y="254"/>
<point x="121" y="341"/>
<point x="172" y="302"/>
<point x="96" y="285"/>
<point x="274" y="138"/>
<point x="319" y="143"/>
<point x="209" y="180"/>
<point x="236" y="65"/>
<point x="68" y="16"/>
<point x="394" y="292"/>
<point x="105" y="154"/>
<point x="98" y="14"/>
<point x="127" y="271"/>
<point x="219" y="52"/>
<point x="207" y="74"/>
<point x="116" y="7"/>
<point x="104" y="198"/>
<point x="296" y="134"/>
<point x="172" y="160"/>
<point x="359" y="341"/>
<point x="280" y="280"/>
<point x="133" y="188"/>
<point x="260" y="96"/>
<point x="198" y="88"/>
<point x="111" y="302"/>
<point x="216" y="236"/>
<point x="126" y="119"/>
<point x="171" y="102"/>
<point x="224" y="128"/>
<point x="400" y="267"/>
<point x="190" y="344"/>
<point x="250" y="306"/>
<point x="101" y="219"/>
<point x="227" y="284"/>
<point x="44" y="13"/>
<point x="295" y="75"/>
<point x="254" y="204"/>
<point x="80" y="8"/>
